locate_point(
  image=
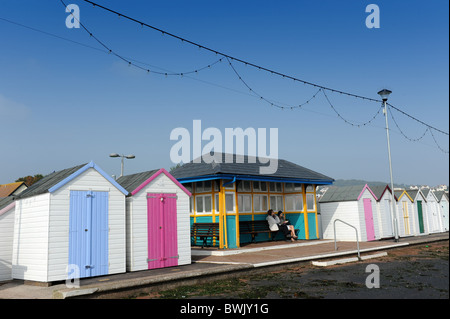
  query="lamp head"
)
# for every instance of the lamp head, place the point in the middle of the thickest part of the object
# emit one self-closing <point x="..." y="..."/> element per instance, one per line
<point x="114" y="155"/>
<point x="384" y="94"/>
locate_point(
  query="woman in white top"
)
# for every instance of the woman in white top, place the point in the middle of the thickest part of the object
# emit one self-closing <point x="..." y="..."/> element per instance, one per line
<point x="273" y="220"/>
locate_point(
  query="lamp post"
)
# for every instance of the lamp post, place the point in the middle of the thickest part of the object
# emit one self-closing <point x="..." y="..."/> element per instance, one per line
<point x="122" y="156"/>
<point x="384" y="96"/>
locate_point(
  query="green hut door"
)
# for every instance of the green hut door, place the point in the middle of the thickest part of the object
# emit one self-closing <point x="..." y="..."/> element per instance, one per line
<point x="420" y="215"/>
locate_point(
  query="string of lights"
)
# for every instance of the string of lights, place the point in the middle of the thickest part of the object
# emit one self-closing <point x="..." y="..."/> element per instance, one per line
<point x="401" y="131"/>
<point x="267" y="100"/>
<point x="437" y="144"/>
<point x="417" y="120"/>
<point x="235" y="59"/>
<point x="200" y="46"/>
<point x="131" y="62"/>
<point x="347" y="121"/>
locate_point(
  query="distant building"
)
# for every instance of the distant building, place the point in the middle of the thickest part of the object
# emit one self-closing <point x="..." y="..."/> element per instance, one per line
<point x="12" y="189"/>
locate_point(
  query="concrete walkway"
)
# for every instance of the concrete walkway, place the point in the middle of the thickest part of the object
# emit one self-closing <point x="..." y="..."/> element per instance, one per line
<point x="211" y="262"/>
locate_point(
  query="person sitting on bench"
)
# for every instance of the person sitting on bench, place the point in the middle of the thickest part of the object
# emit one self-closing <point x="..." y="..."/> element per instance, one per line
<point x="286" y="226"/>
<point x="273" y="220"/>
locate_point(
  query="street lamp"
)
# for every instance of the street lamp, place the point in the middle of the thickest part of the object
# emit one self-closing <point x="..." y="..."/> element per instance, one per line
<point x="384" y="96"/>
<point x="123" y="156"/>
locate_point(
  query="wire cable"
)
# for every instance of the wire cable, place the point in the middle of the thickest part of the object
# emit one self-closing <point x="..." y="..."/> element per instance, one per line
<point x="130" y="61"/>
<point x="272" y="103"/>
<point x="200" y="46"/>
<point x="347" y="121"/>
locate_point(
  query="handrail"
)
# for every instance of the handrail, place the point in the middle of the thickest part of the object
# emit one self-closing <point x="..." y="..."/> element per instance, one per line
<point x="357" y="238"/>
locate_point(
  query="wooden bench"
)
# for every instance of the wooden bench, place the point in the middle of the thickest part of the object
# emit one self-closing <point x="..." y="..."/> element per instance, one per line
<point x="204" y="231"/>
<point x="255" y="227"/>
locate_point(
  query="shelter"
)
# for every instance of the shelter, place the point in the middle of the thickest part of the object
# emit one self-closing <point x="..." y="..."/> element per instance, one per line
<point x="70" y="224"/>
<point x="158" y="228"/>
<point x="355" y="205"/>
<point x="229" y="189"/>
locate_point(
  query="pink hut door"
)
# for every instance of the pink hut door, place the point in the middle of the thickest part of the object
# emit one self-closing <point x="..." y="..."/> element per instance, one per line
<point x="369" y="219"/>
<point x="162" y="230"/>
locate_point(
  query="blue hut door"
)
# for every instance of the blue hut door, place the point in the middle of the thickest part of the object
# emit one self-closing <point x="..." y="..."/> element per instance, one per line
<point x="88" y="232"/>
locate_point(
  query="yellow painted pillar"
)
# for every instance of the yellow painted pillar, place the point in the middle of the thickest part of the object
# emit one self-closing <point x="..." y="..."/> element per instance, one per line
<point x="305" y="212"/>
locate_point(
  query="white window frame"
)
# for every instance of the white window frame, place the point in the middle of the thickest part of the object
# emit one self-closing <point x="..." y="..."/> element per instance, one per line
<point x="295" y="197"/>
<point x="275" y="207"/>
<point x="293" y="188"/>
<point x="202" y="197"/>
<point x="234" y="203"/>
<point x="275" y="187"/>
<point x="257" y="198"/>
<point x="313" y="201"/>
<point x="241" y="188"/>
<point x="241" y="204"/>
<point x="217" y="202"/>
<point x="257" y="186"/>
<point x="200" y="187"/>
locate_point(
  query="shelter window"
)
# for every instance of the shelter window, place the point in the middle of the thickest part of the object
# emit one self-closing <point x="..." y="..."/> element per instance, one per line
<point x="245" y="203"/>
<point x="276" y="202"/>
<point x="259" y="186"/>
<point x="292" y="187"/>
<point x="203" y="186"/>
<point x="310" y="202"/>
<point x="276" y="187"/>
<point x="244" y="186"/>
<point x="294" y="203"/>
<point x="203" y="203"/>
<point x="260" y="203"/>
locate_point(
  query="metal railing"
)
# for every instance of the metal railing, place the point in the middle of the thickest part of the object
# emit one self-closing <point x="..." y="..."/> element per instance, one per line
<point x="357" y="238"/>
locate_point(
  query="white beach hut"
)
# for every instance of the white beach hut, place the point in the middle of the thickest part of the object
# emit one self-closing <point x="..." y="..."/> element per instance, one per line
<point x="355" y="205"/>
<point x="7" y="208"/>
<point x="433" y="212"/>
<point x="443" y="201"/>
<point x="405" y="213"/>
<point x="158" y="222"/>
<point x="420" y="211"/>
<point x="384" y="209"/>
<point x="70" y="224"/>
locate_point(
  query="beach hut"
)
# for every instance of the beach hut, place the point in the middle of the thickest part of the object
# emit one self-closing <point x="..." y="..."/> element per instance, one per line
<point x="7" y="208"/>
<point x="385" y="216"/>
<point x="433" y="211"/>
<point x="443" y="201"/>
<point x="405" y="213"/>
<point x="233" y="193"/>
<point x="420" y="211"/>
<point x="70" y="224"/>
<point x="355" y="205"/>
<point x="158" y="227"/>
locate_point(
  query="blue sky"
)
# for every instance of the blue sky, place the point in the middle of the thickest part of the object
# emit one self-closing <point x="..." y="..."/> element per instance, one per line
<point x="63" y="104"/>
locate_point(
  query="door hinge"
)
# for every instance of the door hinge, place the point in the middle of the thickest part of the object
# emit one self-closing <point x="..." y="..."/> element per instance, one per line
<point x="149" y="260"/>
<point x="177" y="257"/>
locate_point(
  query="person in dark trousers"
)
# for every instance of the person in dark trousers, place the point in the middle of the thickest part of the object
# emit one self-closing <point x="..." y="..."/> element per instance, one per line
<point x="286" y="226"/>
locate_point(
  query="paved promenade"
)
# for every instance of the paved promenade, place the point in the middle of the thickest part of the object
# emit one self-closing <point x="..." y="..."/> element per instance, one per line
<point x="211" y="262"/>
